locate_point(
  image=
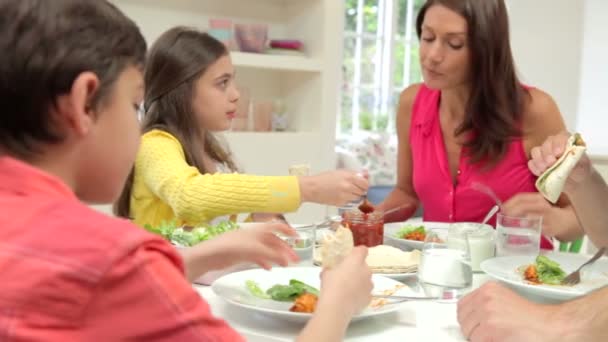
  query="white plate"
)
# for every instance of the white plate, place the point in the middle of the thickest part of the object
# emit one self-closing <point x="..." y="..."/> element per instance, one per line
<point x="232" y="288"/>
<point x="391" y="229"/>
<point x="399" y="276"/>
<point x="505" y="269"/>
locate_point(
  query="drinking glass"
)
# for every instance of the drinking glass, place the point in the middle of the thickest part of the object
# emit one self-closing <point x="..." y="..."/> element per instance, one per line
<point x="445" y="269"/>
<point x="304" y="243"/>
<point x="518" y="235"/>
<point x="479" y="237"/>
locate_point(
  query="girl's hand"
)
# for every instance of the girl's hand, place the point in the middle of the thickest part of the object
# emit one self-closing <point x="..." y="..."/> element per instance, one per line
<point x="336" y="188"/>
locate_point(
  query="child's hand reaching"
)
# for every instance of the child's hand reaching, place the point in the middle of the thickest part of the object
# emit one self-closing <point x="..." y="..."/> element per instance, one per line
<point x="348" y="284"/>
<point x="258" y="244"/>
<point x="333" y="187"/>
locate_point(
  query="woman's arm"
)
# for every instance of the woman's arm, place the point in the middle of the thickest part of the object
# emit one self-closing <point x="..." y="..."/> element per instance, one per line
<point x="404" y="193"/>
<point x="589" y="199"/>
<point x="542" y="119"/>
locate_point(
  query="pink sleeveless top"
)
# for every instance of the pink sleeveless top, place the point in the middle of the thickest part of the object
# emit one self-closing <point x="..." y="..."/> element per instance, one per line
<point x="441" y="199"/>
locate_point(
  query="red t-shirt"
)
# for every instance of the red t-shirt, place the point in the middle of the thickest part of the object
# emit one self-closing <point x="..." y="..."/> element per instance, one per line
<point x="69" y="273"/>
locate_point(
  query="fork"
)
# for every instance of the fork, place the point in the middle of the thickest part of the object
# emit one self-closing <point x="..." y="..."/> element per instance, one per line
<point x="399" y="299"/>
<point x="575" y="277"/>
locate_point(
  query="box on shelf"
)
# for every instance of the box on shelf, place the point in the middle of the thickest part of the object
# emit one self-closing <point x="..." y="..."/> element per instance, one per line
<point x="222" y="30"/>
<point x="251" y="37"/>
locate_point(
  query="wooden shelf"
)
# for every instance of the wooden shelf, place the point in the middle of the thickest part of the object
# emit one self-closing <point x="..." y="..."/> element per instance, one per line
<point x="276" y="62"/>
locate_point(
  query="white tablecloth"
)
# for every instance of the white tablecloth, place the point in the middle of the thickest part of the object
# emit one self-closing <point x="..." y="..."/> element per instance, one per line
<point x="415" y="321"/>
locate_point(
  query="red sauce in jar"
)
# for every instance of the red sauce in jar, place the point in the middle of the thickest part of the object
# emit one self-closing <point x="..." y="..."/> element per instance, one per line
<point x="367" y="228"/>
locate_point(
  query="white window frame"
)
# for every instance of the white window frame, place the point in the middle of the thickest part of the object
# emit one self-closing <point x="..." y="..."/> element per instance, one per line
<point x="383" y="80"/>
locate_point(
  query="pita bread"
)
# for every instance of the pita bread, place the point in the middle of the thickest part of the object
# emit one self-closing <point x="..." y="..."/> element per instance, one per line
<point x="336" y="247"/>
<point x="382" y="259"/>
<point x="387" y="259"/>
<point x="551" y="183"/>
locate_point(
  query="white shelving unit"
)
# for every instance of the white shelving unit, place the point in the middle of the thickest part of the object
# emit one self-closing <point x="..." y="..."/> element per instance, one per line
<point x="275" y="62"/>
<point x="309" y="86"/>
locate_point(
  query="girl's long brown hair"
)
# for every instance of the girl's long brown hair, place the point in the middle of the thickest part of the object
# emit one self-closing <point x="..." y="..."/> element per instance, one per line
<point x="495" y="108"/>
<point x="175" y="61"/>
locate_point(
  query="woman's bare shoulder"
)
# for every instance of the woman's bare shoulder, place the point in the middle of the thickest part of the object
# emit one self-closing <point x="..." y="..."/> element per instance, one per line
<point x="408" y="95"/>
<point x="541" y="118"/>
<point x="541" y="106"/>
<point x="406" y="102"/>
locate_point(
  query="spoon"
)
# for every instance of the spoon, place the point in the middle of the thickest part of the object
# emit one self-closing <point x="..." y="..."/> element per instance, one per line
<point x="490" y="213"/>
<point x="395" y="209"/>
<point x="366" y="206"/>
<point x="488" y="191"/>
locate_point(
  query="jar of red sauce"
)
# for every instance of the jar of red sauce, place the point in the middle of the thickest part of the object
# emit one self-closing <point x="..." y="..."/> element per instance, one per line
<point x="367" y="229"/>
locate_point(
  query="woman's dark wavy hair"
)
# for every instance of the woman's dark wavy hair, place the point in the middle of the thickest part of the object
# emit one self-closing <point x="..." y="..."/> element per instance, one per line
<point x="496" y="104"/>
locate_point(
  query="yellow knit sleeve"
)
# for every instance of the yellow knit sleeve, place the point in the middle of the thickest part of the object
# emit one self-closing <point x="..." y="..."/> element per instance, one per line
<point x="196" y="197"/>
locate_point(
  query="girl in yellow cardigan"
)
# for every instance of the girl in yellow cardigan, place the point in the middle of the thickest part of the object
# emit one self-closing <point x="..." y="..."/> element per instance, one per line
<point x="190" y="94"/>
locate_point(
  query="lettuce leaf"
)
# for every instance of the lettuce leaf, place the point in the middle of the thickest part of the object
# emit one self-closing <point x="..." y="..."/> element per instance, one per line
<point x="409" y="228"/>
<point x="164" y="229"/>
<point x="255" y="289"/>
<point x="284" y="293"/>
<point x="549" y="271"/>
<point x="280" y="292"/>
<point x="186" y="238"/>
<point x="303" y="287"/>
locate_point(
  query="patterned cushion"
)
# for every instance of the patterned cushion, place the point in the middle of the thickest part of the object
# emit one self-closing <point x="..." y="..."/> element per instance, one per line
<point x="374" y="152"/>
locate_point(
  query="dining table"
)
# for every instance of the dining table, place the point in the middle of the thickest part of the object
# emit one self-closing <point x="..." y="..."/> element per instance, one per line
<point x="414" y="321"/>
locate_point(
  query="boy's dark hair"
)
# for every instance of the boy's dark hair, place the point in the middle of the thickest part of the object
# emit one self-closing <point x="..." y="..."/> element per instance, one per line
<point x="44" y="46"/>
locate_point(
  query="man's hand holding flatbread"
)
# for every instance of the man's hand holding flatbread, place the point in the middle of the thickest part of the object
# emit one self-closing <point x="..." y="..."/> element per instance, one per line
<point x="551" y="183"/>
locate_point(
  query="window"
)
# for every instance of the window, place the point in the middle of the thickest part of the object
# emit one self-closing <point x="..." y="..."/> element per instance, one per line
<point x="380" y="60"/>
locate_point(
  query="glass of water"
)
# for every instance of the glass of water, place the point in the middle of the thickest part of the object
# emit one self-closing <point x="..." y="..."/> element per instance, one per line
<point x="445" y="269"/>
<point x="518" y="235"/>
<point x="304" y="243"/>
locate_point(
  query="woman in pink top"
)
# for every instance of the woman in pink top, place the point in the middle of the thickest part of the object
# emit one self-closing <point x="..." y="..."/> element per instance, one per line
<point x="472" y="121"/>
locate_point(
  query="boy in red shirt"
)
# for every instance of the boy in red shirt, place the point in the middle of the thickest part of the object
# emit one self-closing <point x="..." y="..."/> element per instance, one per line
<point x="70" y="85"/>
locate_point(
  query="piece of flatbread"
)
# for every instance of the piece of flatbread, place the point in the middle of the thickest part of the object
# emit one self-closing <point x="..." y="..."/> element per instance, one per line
<point x="391" y="260"/>
<point x="551" y="183"/>
<point x="336" y="247"/>
<point x="385" y="259"/>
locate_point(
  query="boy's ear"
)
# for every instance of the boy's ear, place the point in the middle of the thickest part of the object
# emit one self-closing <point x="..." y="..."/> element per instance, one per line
<point x="75" y="109"/>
